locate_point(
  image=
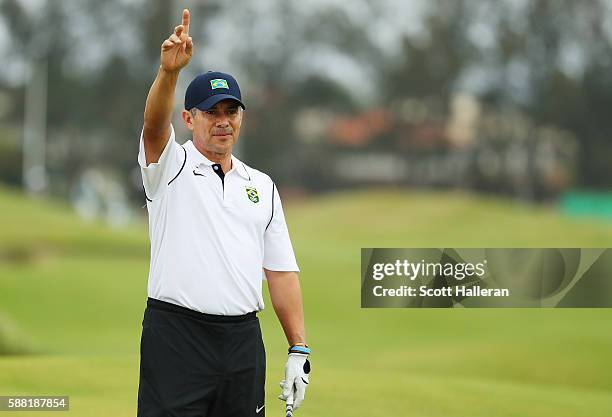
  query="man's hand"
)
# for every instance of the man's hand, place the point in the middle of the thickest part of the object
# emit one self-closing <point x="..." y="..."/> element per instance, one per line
<point x="176" y="51"/>
<point x="296" y="379"/>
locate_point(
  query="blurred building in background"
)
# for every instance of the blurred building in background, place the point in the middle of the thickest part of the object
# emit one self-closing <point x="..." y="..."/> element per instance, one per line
<point x="492" y="150"/>
<point x="502" y="97"/>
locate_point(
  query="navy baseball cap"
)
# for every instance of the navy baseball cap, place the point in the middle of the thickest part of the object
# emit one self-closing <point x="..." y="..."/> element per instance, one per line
<point x="209" y="88"/>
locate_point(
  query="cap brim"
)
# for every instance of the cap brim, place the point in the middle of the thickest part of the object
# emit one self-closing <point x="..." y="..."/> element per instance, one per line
<point x="211" y="101"/>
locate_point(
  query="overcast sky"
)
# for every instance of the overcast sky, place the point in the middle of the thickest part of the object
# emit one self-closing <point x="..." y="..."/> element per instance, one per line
<point x="225" y="34"/>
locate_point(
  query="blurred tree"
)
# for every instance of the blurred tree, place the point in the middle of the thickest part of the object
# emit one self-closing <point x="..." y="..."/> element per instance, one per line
<point x="550" y="58"/>
<point x="430" y="65"/>
<point x="568" y="53"/>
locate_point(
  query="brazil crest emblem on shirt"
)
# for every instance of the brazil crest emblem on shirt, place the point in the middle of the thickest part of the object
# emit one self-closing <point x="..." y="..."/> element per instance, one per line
<point x="252" y="194"/>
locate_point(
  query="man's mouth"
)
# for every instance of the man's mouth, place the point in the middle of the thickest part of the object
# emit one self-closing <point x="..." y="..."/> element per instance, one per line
<point x="222" y="135"/>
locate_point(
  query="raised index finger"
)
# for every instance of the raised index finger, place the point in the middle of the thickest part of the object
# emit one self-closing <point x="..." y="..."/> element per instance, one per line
<point x="186" y="21"/>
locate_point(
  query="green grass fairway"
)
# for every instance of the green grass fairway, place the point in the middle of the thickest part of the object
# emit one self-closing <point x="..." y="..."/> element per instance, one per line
<point x="72" y="296"/>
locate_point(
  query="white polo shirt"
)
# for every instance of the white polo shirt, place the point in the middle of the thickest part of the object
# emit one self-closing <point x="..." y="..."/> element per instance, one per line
<point x="210" y="239"/>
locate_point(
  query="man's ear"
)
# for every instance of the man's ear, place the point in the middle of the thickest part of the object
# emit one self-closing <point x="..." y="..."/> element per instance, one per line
<point x="187" y="119"/>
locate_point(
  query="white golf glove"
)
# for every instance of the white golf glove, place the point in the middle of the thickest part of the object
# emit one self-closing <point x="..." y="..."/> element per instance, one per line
<point x="296" y="376"/>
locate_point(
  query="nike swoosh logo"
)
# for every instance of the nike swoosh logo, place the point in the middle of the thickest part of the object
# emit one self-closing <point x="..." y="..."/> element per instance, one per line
<point x="258" y="409"/>
<point x="198" y="173"/>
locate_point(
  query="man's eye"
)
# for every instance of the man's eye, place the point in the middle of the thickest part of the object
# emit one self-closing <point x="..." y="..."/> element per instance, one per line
<point x="232" y="112"/>
<point x="210" y="112"/>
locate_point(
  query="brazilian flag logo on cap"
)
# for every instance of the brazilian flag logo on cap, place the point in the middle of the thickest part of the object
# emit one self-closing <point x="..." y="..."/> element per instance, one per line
<point x="219" y="83"/>
<point x="252" y="194"/>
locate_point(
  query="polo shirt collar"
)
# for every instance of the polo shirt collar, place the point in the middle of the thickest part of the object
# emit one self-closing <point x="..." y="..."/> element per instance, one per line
<point x="237" y="164"/>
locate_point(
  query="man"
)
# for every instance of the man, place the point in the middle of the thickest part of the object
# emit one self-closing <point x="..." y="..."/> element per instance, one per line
<point x="216" y="227"/>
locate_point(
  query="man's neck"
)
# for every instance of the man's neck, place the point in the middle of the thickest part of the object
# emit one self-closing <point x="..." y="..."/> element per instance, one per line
<point x="218" y="158"/>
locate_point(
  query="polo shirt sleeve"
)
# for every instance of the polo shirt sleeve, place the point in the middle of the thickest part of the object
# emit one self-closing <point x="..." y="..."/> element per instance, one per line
<point x="157" y="175"/>
<point x="278" y="251"/>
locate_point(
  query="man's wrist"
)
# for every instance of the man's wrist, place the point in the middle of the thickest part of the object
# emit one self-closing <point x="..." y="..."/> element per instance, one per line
<point x="303" y="349"/>
<point x="170" y="73"/>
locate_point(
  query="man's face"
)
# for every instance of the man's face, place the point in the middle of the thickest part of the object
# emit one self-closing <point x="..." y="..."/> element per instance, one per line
<point x="215" y="130"/>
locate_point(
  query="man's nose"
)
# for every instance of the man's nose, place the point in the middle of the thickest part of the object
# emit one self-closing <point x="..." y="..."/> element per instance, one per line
<point x="222" y="120"/>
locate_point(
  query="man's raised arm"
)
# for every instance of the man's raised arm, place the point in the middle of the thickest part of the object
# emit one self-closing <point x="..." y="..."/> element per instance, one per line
<point x="176" y="52"/>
